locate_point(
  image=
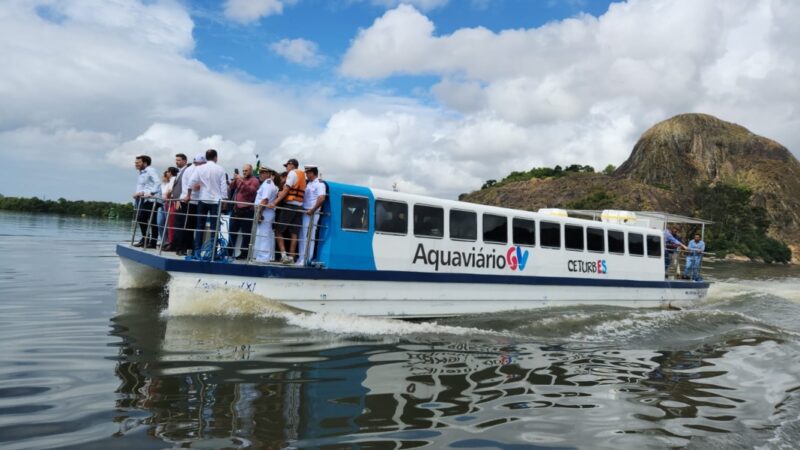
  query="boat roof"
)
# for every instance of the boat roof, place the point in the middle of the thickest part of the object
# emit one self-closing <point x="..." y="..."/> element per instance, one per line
<point x="659" y="215"/>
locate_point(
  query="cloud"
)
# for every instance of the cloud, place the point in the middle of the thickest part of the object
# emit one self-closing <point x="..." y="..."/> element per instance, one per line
<point x="586" y="87"/>
<point x="298" y="51"/>
<point x="422" y="5"/>
<point x="247" y="11"/>
<point x="84" y="83"/>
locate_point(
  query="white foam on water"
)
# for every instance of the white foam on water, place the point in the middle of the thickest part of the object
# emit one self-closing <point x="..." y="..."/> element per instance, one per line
<point x="222" y="301"/>
<point x="786" y="288"/>
<point x="235" y="302"/>
<point x="350" y="324"/>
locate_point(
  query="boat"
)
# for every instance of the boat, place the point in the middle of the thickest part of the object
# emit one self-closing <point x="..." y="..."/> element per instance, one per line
<point x="394" y="254"/>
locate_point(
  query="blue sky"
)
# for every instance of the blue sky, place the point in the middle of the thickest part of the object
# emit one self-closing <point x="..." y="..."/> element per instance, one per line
<point x="433" y="96"/>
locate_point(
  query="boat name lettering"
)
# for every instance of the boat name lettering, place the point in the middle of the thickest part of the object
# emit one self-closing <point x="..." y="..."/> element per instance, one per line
<point x="209" y="285"/>
<point x="576" y="265"/>
<point x="514" y="259"/>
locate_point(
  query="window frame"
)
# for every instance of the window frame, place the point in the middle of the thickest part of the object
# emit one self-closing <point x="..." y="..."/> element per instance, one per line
<point x="541" y="234"/>
<point x="514" y="235"/>
<point x="608" y="242"/>
<point x="628" y="241"/>
<point x="660" y="245"/>
<point x="414" y="221"/>
<point x="375" y="217"/>
<point x="450" y="224"/>
<point x="356" y="230"/>
<point x="483" y="228"/>
<point x="602" y="239"/>
<point x="582" y="235"/>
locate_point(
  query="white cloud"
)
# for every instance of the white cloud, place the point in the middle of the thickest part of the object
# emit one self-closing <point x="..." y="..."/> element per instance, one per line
<point x="247" y="11"/>
<point x="110" y="76"/>
<point x="422" y="5"/>
<point x="298" y="51"/>
<point x="582" y="89"/>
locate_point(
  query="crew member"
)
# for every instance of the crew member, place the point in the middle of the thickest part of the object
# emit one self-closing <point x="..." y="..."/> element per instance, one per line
<point x="290" y="215"/>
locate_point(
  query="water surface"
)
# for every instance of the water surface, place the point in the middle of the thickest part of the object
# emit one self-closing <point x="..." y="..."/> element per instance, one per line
<point x="86" y="366"/>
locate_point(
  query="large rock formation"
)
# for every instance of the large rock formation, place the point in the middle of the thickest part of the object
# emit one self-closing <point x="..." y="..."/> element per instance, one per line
<point x="667" y="164"/>
<point x="690" y="149"/>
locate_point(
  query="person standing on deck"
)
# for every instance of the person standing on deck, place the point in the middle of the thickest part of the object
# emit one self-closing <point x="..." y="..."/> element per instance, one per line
<point x="208" y="180"/>
<point x="290" y="216"/>
<point x="189" y="205"/>
<point x="694" y="256"/>
<point x="312" y="202"/>
<point x="672" y="243"/>
<point x="245" y="186"/>
<point x="264" y="247"/>
<point x="147" y="184"/>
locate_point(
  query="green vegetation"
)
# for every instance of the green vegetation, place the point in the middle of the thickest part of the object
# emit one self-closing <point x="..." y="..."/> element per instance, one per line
<point x="539" y="172"/>
<point x="65" y="207"/>
<point x="599" y="199"/>
<point x="609" y="170"/>
<point x="739" y="227"/>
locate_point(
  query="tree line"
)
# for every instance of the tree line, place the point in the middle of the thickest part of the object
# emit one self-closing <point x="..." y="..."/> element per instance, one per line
<point x="67" y="207"/>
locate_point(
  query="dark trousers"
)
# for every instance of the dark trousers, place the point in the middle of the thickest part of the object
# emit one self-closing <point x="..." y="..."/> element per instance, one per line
<point x="185" y="220"/>
<point x="241" y="224"/>
<point x="146" y="218"/>
<point x="204" y="210"/>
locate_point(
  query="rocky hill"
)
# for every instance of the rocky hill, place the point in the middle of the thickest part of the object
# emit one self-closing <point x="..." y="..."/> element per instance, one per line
<point x="668" y="164"/>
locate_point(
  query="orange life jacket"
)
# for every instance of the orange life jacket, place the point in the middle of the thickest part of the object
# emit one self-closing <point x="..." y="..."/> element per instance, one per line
<point x="297" y="192"/>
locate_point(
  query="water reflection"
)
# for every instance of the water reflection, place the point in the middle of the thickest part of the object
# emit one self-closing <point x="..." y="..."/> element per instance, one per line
<point x="246" y="382"/>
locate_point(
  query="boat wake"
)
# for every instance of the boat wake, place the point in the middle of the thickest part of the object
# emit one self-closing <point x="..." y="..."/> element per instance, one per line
<point x="234" y="302"/>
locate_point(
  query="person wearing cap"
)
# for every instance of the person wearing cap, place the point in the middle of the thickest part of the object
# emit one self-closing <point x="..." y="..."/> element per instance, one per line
<point x="245" y="186"/>
<point x="188" y="207"/>
<point x="264" y="247"/>
<point x="290" y="216"/>
<point x="147" y="183"/>
<point x="312" y="202"/>
<point x="209" y="180"/>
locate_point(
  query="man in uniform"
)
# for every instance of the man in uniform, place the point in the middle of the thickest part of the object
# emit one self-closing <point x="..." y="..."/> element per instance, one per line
<point x="264" y="246"/>
<point x="312" y="202"/>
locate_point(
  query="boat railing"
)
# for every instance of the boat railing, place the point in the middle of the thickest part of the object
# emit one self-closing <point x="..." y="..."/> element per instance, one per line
<point x="679" y="259"/>
<point x="158" y="224"/>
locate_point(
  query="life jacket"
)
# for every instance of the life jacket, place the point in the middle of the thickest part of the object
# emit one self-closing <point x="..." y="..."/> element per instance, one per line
<point x="297" y="192"/>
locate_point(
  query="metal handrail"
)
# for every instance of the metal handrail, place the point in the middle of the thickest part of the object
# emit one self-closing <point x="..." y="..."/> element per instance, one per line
<point x="216" y="232"/>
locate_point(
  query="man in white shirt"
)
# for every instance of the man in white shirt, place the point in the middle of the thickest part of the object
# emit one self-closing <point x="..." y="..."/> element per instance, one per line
<point x="147" y="183"/>
<point x="312" y="202"/>
<point x="264" y="247"/>
<point x="188" y="206"/>
<point x="210" y="184"/>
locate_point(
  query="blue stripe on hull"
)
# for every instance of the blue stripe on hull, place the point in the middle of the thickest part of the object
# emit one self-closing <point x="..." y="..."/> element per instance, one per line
<point x="257" y="271"/>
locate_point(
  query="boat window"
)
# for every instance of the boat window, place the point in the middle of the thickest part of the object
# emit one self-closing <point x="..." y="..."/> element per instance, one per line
<point x="550" y="234"/>
<point x="616" y="242"/>
<point x="463" y="225"/>
<point x="524" y="232"/>
<point x="594" y="240"/>
<point x="428" y="221"/>
<point x="355" y="213"/>
<point x="635" y="244"/>
<point x="573" y="237"/>
<point x="654" y="246"/>
<point x="391" y="217"/>
<point x="495" y="228"/>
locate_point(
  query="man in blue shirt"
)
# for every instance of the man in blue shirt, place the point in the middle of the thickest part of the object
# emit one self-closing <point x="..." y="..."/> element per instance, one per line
<point x="694" y="256"/>
<point x="672" y="243"/>
<point x="147" y="184"/>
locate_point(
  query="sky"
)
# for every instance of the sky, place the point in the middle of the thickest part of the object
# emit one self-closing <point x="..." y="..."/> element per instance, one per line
<point x="431" y="97"/>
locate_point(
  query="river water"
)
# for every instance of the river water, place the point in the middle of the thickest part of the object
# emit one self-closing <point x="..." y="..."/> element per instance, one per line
<point x="84" y="365"/>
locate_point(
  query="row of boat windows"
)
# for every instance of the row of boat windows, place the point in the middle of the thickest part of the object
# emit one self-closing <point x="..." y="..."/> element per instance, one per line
<point x="392" y="217"/>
